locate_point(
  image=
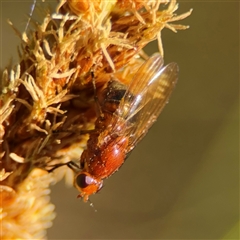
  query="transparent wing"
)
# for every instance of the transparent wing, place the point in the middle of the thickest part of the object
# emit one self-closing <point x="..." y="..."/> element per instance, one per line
<point x="145" y="97"/>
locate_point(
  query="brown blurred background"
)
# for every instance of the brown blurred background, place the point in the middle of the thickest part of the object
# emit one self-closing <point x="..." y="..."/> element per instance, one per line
<point x="182" y="180"/>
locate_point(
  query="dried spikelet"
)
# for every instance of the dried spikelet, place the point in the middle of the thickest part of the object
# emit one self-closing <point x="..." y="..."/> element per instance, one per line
<point x="23" y="215"/>
<point x="48" y="98"/>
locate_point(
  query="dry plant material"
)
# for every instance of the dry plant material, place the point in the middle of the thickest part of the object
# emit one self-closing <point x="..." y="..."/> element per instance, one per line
<point x="48" y="99"/>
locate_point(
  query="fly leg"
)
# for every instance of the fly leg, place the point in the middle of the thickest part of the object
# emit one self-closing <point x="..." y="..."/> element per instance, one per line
<point x="72" y="165"/>
<point x="99" y="110"/>
<point x="80" y="132"/>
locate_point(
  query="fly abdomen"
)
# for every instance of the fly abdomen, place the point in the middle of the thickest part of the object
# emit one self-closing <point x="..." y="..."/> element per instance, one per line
<point x="111" y="96"/>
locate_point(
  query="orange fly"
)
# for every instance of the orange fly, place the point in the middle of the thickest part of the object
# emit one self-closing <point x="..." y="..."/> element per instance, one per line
<point x="127" y="112"/>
